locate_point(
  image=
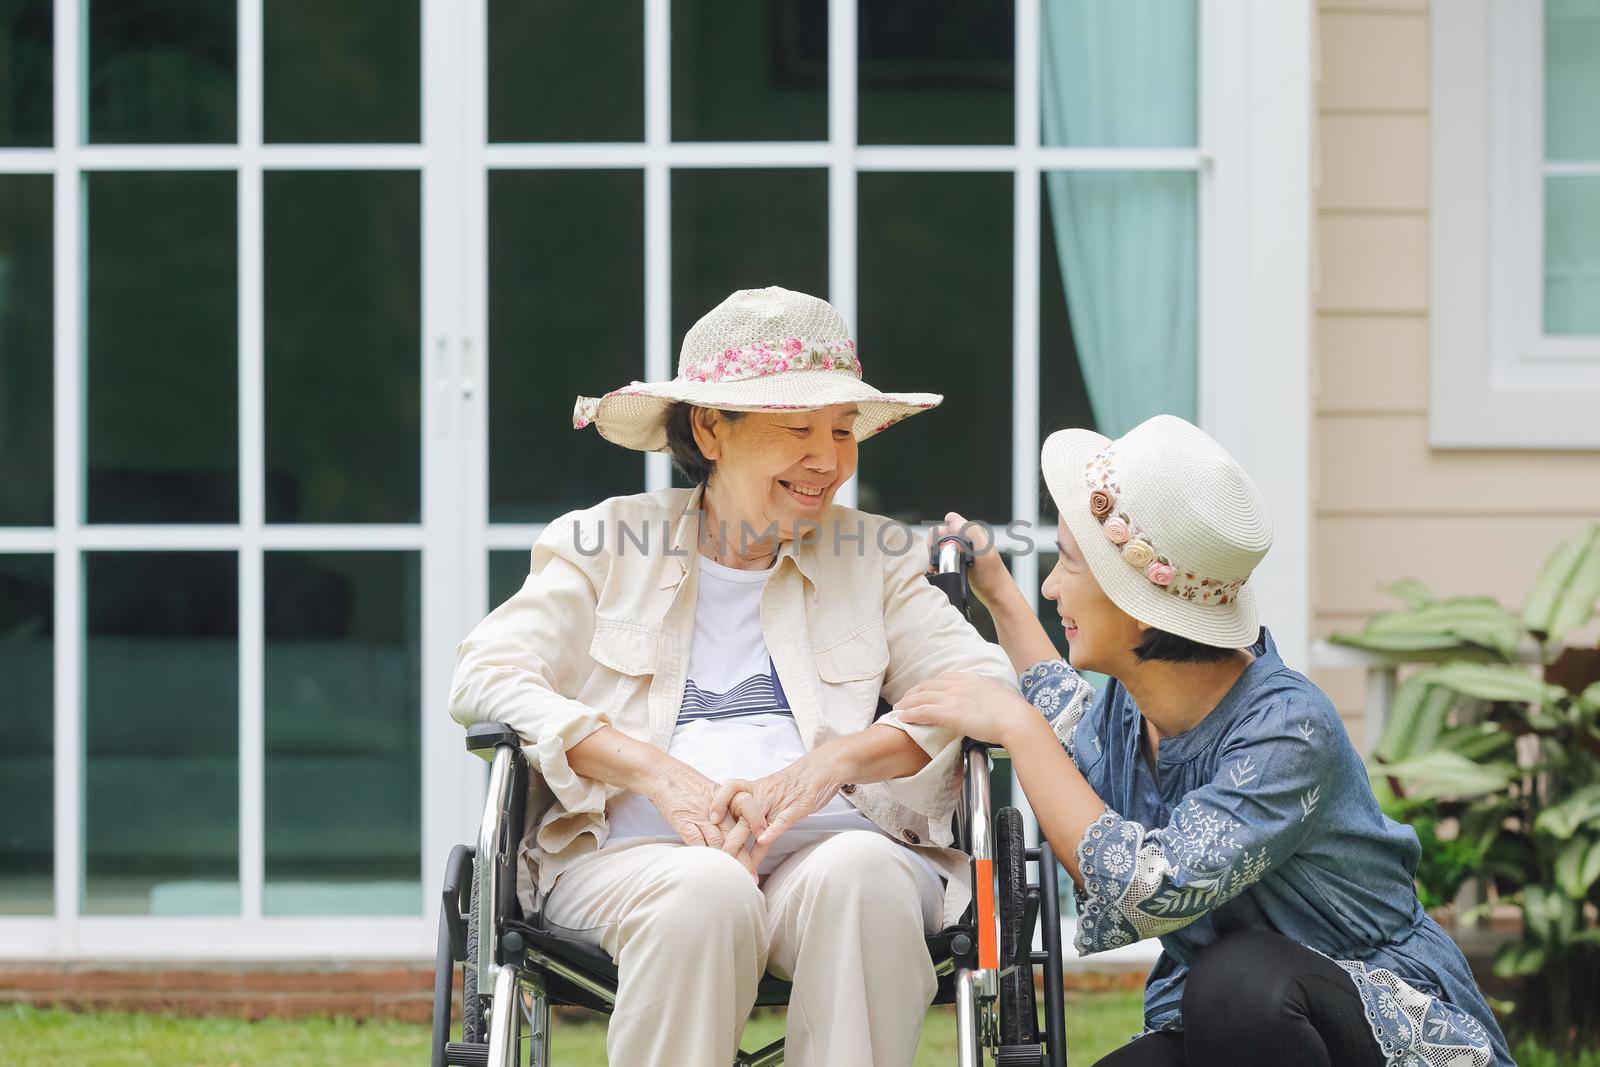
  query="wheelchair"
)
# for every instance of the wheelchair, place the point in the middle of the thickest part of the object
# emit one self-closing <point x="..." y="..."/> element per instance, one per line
<point x="514" y="969"/>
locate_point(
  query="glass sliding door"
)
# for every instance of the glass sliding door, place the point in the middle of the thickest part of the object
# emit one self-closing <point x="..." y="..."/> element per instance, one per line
<point x="232" y="392"/>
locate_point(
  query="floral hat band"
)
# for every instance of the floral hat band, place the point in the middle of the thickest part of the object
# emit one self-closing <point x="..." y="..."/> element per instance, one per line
<point x="775" y="357"/>
<point x="1138" y="547"/>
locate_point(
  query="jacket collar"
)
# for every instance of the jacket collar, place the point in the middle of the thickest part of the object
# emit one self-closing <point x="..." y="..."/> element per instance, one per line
<point x="686" y="537"/>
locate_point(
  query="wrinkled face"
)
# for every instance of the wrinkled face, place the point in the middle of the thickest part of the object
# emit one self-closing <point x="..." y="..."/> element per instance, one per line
<point x="777" y="468"/>
<point x="1100" y="635"/>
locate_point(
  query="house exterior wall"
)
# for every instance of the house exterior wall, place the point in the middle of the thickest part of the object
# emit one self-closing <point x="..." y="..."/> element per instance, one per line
<point x="1386" y="505"/>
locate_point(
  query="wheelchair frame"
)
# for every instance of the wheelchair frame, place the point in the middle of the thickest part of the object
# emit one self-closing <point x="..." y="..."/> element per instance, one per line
<point x="514" y="970"/>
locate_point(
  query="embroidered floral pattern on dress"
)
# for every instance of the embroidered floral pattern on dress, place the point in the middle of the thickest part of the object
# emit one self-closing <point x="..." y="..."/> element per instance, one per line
<point x="1060" y="694"/>
<point x="775" y="357"/>
<point x="1140" y="883"/>
<point x="1414" y="1029"/>
<point x="1138" y="548"/>
<point x="1144" y="882"/>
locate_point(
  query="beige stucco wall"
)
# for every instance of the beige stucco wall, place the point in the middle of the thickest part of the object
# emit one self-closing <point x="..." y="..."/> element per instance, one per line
<point x="1386" y="505"/>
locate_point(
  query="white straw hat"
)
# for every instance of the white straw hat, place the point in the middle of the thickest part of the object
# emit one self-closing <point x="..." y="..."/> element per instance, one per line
<point x="1169" y="524"/>
<point x="769" y="349"/>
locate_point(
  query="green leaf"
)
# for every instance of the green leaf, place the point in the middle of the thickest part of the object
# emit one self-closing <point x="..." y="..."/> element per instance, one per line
<point x="1471" y="623"/>
<point x="1415" y="720"/>
<point x="1590" y="697"/>
<point x="1543" y="913"/>
<point x="1440" y="775"/>
<point x="1563" y="595"/>
<point x="1564" y="819"/>
<point x="1415" y="593"/>
<point x="1403" y="642"/>
<point x="1517" y="958"/>
<point x="1492" y="681"/>
<point x="1578" y="866"/>
<point x="1478" y="741"/>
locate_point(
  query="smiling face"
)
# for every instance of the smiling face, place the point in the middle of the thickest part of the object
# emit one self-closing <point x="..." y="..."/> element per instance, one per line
<point x="779" y="469"/>
<point x="1100" y="635"/>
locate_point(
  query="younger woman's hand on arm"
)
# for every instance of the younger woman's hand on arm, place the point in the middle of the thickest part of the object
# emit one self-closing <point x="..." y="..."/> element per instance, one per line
<point x="1060" y="797"/>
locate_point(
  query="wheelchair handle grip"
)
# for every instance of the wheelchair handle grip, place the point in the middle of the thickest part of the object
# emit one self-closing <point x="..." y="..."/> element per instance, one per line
<point x="457" y="872"/>
<point x="951" y="554"/>
<point x="950" y="557"/>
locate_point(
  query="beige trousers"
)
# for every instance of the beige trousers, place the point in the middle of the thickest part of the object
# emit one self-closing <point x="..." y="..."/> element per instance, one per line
<point x="692" y="933"/>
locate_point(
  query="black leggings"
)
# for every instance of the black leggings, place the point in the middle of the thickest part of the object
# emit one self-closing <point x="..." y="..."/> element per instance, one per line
<point x="1257" y="998"/>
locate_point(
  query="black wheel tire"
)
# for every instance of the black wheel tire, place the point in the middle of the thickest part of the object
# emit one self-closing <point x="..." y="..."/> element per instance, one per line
<point x="472" y="1027"/>
<point x="1018" y="1023"/>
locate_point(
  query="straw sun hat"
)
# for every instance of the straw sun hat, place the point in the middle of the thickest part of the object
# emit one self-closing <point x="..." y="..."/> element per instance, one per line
<point x="769" y="349"/>
<point x="1169" y="524"/>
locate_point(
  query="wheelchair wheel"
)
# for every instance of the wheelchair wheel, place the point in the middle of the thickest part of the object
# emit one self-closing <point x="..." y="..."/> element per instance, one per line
<point x="1018" y="1022"/>
<point x="473" y="1030"/>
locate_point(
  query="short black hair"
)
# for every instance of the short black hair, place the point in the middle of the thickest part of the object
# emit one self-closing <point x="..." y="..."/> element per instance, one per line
<point x="686" y="455"/>
<point x="1159" y="646"/>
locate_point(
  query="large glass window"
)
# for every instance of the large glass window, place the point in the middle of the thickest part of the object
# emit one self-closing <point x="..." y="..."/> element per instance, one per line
<point x="566" y="70"/>
<point x="343" y="346"/>
<point x="344" y="72"/>
<point x="26" y="58"/>
<point x="162" y="71"/>
<point x="749" y="70"/>
<point x="1571" y="167"/>
<point x="161" y="733"/>
<point x="162" y="347"/>
<point x="937" y="72"/>
<point x="566" y="317"/>
<point x="935" y="269"/>
<point x="343" y="748"/>
<point x="27" y="289"/>
<point x="27" y="722"/>
<point x="223" y="354"/>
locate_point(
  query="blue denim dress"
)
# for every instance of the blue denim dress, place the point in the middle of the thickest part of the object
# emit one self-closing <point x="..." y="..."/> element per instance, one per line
<point x="1260" y="816"/>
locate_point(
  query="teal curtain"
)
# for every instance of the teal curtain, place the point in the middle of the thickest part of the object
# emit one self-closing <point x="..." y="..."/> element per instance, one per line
<point x="1120" y="75"/>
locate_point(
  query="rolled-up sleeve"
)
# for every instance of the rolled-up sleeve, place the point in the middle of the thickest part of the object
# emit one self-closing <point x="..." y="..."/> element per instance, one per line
<point x="518" y="664"/>
<point x="927" y="636"/>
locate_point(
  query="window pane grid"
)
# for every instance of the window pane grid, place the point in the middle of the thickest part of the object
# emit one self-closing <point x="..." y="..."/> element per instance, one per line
<point x="1015" y="160"/>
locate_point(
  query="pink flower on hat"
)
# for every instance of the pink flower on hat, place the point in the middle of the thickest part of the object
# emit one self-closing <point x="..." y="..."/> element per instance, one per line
<point x="1117" y="531"/>
<point x="793" y="346"/>
<point x="1160" y="573"/>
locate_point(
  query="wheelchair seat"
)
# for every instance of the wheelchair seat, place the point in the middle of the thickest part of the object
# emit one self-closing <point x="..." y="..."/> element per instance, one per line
<point x="595" y="962"/>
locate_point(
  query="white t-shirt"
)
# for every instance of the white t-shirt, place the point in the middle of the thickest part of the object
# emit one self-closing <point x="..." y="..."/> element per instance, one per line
<point x="735" y="721"/>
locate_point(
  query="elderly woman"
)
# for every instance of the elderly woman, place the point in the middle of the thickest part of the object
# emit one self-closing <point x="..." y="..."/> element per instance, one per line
<point x="695" y="674"/>
<point x="1209" y="795"/>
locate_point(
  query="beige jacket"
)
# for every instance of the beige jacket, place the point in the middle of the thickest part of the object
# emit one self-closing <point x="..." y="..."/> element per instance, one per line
<point x="599" y="634"/>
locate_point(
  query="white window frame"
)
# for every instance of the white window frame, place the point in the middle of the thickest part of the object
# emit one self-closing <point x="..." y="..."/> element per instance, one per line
<point x="1252" y="168"/>
<point x="1497" y="379"/>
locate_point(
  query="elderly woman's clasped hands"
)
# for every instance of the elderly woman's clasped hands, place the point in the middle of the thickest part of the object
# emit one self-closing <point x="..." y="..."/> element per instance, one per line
<point x="744" y="817"/>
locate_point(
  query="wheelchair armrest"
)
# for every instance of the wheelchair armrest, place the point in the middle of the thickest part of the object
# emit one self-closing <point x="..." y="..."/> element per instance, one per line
<point x="484" y="737"/>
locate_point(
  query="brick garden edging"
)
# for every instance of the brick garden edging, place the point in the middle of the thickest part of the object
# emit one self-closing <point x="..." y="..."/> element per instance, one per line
<point x="257" y="990"/>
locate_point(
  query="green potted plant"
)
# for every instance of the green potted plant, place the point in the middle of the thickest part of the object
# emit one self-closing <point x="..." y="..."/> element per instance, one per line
<point x="1497" y="766"/>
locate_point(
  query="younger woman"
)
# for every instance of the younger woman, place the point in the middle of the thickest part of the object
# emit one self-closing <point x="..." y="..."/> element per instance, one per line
<point x="1208" y="795"/>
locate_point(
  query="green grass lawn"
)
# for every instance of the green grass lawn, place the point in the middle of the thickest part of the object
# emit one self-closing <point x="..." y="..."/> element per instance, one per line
<point x="42" y="1038"/>
<point x="1096" y="1023"/>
